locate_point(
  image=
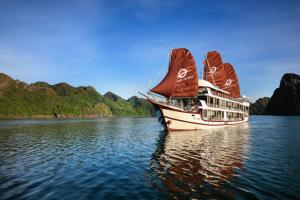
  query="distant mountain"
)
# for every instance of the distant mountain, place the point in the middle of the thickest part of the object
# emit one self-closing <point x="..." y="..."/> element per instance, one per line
<point x="286" y="99"/>
<point x="137" y="105"/>
<point x="112" y="96"/>
<point x="259" y="107"/>
<point x="120" y="106"/>
<point x="142" y="106"/>
<point x="42" y="100"/>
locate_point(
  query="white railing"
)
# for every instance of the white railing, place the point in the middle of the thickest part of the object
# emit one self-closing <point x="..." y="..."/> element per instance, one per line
<point x="156" y="97"/>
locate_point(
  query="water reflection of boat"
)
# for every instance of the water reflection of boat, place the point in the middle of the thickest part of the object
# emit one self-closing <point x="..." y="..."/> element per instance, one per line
<point x="198" y="164"/>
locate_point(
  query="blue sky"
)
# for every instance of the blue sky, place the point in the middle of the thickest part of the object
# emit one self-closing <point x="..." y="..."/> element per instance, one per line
<point x="122" y="46"/>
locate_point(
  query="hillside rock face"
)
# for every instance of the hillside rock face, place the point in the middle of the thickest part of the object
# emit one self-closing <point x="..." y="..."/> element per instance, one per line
<point x="112" y="96"/>
<point x="286" y="98"/>
<point x="130" y="107"/>
<point x="259" y="107"/>
<point x="142" y="106"/>
<point x="42" y="100"/>
<point x="5" y="81"/>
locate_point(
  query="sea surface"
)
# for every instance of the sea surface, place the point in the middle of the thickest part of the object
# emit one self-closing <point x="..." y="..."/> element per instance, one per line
<point x="133" y="158"/>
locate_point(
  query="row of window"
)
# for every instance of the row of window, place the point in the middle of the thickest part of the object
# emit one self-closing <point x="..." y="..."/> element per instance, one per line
<point x="219" y="103"/>
<point x="212" y="115"/>
<point x="220" y="94"/>
<point x="193" y="103"/>
<point x="216" y="93"/>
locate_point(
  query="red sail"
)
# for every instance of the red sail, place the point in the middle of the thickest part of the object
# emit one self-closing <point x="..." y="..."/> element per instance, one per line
<point x="214" y="69"/>
<point x="231" y="82"/>
<point x="221" y="74"/>
<point x="182" y="78"/>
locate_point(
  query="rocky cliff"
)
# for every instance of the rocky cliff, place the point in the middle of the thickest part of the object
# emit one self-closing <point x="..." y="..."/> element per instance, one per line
<point x="286" y="98"/>
<point x="259" y="107"/>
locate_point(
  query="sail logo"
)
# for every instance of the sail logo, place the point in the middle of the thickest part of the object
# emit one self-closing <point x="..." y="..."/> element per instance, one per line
<point x="228" y="82"/>
<point x="182" y="73"/>
<point x="213" y="70"/>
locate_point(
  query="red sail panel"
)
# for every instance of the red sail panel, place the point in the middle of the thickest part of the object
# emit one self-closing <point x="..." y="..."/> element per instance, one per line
<point x="231" y="82"/>
<point x="182" y="78"/>
<point x="214" y="69"/>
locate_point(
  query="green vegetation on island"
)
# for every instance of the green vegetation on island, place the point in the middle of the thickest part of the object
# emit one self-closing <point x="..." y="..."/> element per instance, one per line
<point x="259" y="106"/>
<point x="42" y="100"/>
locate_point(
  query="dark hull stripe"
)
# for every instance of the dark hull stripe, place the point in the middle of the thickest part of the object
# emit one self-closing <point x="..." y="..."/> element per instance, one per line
<point x="202" y="123"/>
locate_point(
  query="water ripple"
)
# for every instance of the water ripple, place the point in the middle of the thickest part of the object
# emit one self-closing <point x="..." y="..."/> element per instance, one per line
<point x="130" y="158"/>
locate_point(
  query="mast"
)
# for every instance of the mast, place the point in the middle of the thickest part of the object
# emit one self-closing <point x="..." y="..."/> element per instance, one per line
<point x="202" y="74"/>
<point x="210" y="70"/>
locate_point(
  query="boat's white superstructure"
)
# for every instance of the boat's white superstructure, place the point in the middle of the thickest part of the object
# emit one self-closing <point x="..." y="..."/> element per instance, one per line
<point x="187" y="103"/>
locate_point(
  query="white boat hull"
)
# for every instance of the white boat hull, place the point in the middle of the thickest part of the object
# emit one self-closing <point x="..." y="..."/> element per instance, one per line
<point x="177" y="120"/>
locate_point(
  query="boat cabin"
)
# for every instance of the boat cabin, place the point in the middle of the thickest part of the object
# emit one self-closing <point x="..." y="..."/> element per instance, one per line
<point x="213" y="103"/>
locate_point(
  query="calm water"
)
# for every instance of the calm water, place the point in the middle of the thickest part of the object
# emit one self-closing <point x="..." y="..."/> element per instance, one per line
<point x="130" y="158"/>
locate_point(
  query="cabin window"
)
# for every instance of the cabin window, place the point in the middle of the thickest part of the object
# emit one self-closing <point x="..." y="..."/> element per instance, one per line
<point x="213" y="115"/>
<point x="219" y="115"/>
<point x="176" y="102"/>
<point x="204" y="114"/>
<point x="227" y="104"/>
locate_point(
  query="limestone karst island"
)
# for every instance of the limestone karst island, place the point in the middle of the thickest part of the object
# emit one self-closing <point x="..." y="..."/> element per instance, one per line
<point x="42" y="100"/>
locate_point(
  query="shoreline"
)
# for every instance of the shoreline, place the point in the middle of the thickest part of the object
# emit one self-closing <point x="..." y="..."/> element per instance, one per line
<point x="50" y="117"/>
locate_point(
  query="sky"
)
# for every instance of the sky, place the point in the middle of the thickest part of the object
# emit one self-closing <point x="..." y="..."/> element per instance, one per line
<point x="123" y="45"/>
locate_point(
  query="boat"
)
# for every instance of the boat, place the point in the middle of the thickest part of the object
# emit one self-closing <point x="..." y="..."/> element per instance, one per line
<point x="187" y="103"/>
